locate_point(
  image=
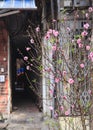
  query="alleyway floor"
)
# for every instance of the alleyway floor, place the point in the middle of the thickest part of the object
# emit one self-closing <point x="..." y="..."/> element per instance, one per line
<point x="26" y="116"/>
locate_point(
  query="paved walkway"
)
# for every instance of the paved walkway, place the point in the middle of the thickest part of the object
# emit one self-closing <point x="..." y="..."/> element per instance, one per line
<point x="25" y="116"/>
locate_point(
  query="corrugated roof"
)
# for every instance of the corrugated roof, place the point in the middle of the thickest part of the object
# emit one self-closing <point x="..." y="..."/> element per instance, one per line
<point x="17" y="4"/>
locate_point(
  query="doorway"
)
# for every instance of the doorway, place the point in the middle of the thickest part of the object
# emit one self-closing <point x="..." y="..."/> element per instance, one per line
<point x="24" y="93"/>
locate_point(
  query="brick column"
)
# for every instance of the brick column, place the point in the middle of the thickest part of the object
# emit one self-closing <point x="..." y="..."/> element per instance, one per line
<point x="3" y="69"/>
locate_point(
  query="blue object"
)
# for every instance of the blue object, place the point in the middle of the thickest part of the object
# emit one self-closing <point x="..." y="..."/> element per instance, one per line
<point x="17" y="4"/>
<point x="22" y="70"/>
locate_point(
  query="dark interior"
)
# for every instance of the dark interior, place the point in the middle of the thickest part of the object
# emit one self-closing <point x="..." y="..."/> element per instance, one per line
<point x="19" y="40"/>
<point x="21" y="92"/>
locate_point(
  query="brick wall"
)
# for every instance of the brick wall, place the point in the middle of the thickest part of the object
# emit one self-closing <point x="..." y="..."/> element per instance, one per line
<point x="3" y="69"/>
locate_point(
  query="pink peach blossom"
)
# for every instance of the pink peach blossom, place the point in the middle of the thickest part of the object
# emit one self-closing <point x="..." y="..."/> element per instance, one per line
<point x="68" y="29"/>
<point x="50" y="31"/>
<point x="77" y="16"/>
<point x="90" y="56"/>
<point x="57" y="80"/>
<point x="70" y="81"/>
<point x="67" y="112"/>
<point x="54" y="20"/>
<point x="89" y="91"/>
<point x="47" y="36"/>
<point x="28" y="67"/>
<point x="55" y="33"/>
<point x="37" y="29"/>
<point x="61" y="108"/>
<point x="80" y="45"/>
<point x="84" y="33"/>
<point x="82" y="65"/>
<point x="72" y="106"/>
<point x="25" y="58"/>
<point x="51" y="108"/>
<point x="32" y="40"/>
<point x="55" y="115"/>
<point x="79" y="41"/>
<point x="65" y="97"/>
<point x="90" y="9"/>
<point x="87" y="15"/>
<point x="28" y="48"/>
<point x="51" y="91"/>
<point x="48" y="69"/>
<point x="64" y="73"/>
<point x="54" y="47"/>
<point x="87" y="47"/>
<point x="73" y="40"/>
<point x="86" y="26"/>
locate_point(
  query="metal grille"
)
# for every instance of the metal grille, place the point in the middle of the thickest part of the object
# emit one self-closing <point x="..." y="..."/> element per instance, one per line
<point x="77" y="96"/>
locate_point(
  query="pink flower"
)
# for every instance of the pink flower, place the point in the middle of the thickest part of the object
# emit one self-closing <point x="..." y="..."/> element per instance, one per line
<point x="84" y="33"/>
<point x="32" y="40"/>
<point x="28" y="48"/>
<point x="86" y="26"/>
<point x="54" y="47"/>
<point x="28" y="67"/>
<point x="62" y="108"/>
<point x="55" y="115"/>
<point x="73" y="40"/>
<point x="65" y="18"/>
<point x="79" y="41"/>
<point x="51" y="91"/>
<point x="77" y="16"/>
<point x="70" y="81"/>
<point x="48" y="69"/>
<point x="64" y="73"/>
<point x="90" y="56"/>
<point x="65" y="97"/>
<point x="67" y="112"/>
<point x="87" y="15"/>
<point x="90" y="9"/>
<point x="87" y="48"/>
<point x="82" y="65"/>
<point x="57" y="80"/>
<point x="54" y="20"/>
<point x="89" y="91"/>
<point x="37" y="29"/>
<point x="25" y="58"/>
<point x="51" y="108"/>
<point x="47" y="36"/>
<point x="80" y="45"/>
<point x="68" y="29"/>
<point x="55" y="33"/>
<point x="72" y="106"/>
<point x="50" y="31"/>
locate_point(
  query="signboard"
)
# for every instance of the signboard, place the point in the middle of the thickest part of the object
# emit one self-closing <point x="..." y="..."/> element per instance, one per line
<point x="17" y="4"/>
<point x="2" y="78"/>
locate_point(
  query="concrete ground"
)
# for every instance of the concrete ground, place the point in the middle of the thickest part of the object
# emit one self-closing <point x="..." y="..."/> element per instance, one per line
<point x="25" y="116"/>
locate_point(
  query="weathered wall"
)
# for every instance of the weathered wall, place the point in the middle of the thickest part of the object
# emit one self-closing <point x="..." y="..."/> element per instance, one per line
<point x="3" y="69"/>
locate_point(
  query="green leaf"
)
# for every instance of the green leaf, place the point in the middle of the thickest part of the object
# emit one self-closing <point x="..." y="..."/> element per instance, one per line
<point x="59" y="61"/>
<point x="77" y="36"/>
<point x="34" y="80"/>
<point x="40" y="67"/>
<point x="80" y="79"/>
<point x="39" y="58"/>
